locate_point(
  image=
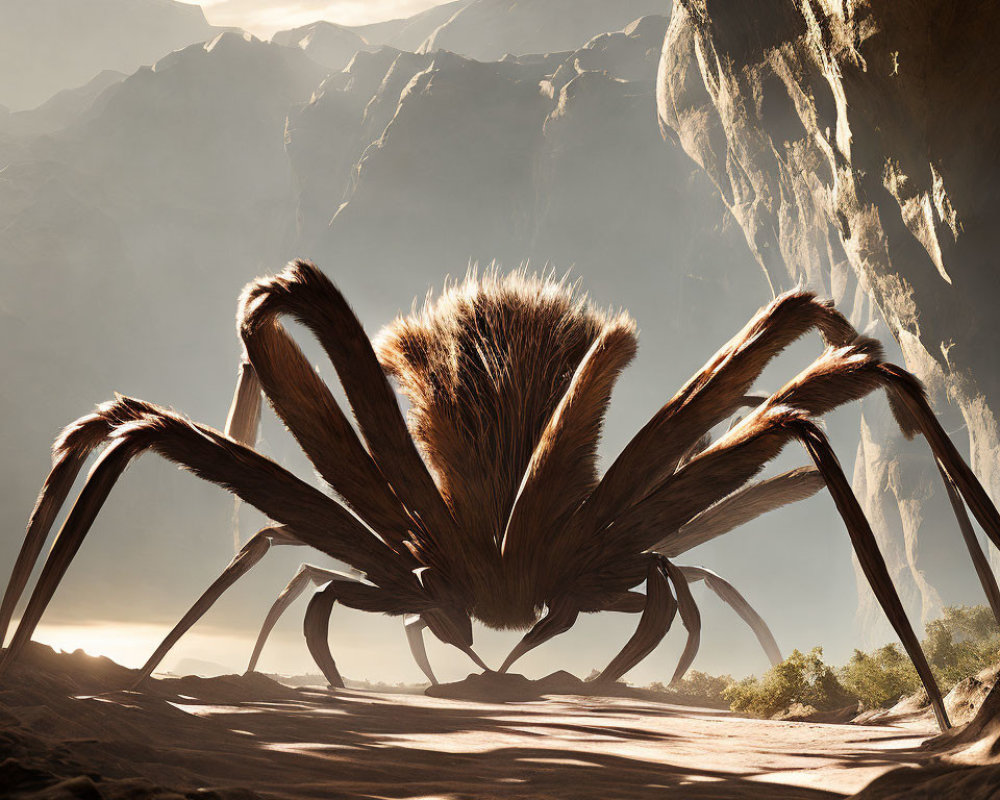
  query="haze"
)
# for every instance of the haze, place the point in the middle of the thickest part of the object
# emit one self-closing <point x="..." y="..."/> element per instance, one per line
<point x="135" y="203"/>
<point x="264" y="18"/>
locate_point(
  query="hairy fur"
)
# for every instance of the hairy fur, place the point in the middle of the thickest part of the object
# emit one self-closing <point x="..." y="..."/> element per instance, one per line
<point x="500" y="404"/>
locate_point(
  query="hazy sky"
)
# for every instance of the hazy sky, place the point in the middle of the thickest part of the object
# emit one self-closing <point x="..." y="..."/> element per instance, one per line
<point x="264" y="17"/>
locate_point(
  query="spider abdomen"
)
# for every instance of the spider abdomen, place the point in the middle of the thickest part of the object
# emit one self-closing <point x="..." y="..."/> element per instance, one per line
<point x="484" y="367"/>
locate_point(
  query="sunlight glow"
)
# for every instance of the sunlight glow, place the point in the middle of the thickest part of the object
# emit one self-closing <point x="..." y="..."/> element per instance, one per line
<point x="200" y="651"/>
<point x="265" y="17"/>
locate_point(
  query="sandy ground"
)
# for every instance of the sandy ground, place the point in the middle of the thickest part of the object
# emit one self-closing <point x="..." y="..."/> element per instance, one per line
<point x="64" y="716"/>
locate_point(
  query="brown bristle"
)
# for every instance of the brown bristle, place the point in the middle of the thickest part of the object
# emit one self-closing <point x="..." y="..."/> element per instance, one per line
<point x="484" y="366"/>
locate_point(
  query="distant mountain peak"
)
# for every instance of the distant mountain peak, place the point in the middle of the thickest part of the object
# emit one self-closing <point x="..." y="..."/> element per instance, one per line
<point x="231" y="39"/>
<point x="69" y="42"/>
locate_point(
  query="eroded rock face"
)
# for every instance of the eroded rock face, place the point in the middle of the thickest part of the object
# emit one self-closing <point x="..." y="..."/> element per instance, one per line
<point x="854" y="141"/>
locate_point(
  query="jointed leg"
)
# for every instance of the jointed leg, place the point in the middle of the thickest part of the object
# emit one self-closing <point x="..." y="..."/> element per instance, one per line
<point x="713" y="394"/>
<point x="77" y="441"/>
<point x="317" y="520"/>
<point x="253" y="551"/>
<point x="296" y="586"/>
<point x="742" y="506"/>
<point x="979" y="560"/>
<point x="243" y="420"/>
<point x="633" y="602"/>
<point x="308" y="409"/>
<point x="657" y="616"/>
<point x="303" y="292"/>
<point x="872" y="563"/>
<point x="735" y="458"/>
<point x="690" y="616"/>
<point x="414" y="625"/>
<point x="559" y="618"/>
<point x="729" y="595"/>
<point x="352" y="593"/>
<point x="851" y="373"/>
<point x="910" y="404"/>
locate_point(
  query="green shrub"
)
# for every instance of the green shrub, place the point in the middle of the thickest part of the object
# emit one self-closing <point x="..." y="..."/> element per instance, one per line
<point x="698" y="687"/>
<point x="880" y="679"/>
<point x="801" y="678"/>
<point x="964" y="641"/>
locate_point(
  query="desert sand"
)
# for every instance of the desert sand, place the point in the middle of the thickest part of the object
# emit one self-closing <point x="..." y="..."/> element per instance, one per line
<point x="68" y="729"/>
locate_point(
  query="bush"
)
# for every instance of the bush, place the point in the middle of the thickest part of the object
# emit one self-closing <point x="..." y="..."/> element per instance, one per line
<point x="698" y="687"/>
<point x="880" y="679"/>
<point x="964" y="641"/>
<point x="801" y="678"/>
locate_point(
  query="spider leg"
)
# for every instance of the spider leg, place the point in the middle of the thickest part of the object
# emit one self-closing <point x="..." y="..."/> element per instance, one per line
<point x="714" y="393"/>
<point x="306" y="406"/>
<point x="559" y="618"/>
<point x="414" y="625"/>
<point x="633" y="602"/>
<point x="306" y="575"/>
<point x="729" y="595"/>
<point x="554" y="484"/>
<point x="872" y="563"/>
<point x="690" y="617"/>
<point x="350" y="592"/>
<point x="76" y="442"/>
<point x="248" y="557"/>
<point x="850" y="373"/>
<point x="659" y="609"/>
<point x="741" y="507"/>
<point x="912" y="409"/>
<point x="445" y="617"/>
<point x="305" y="293"/>
<point x="979" y="560"/>
<point x="318" y="520"/>
<point x="243" y="420"/>
<point x="735" y="458"/>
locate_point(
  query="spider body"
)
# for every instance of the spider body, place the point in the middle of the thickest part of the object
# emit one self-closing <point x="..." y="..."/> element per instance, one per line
<point x="485" y="502"/>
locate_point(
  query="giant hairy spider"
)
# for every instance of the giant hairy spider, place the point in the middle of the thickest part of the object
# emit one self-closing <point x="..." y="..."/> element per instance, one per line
<point x="486" y="501"/>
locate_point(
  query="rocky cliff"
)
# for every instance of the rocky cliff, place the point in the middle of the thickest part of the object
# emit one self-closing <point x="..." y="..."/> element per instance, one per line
<point x="855" y="142"/>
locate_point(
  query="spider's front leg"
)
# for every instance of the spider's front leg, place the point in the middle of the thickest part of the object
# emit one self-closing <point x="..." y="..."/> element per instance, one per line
<point x="658" y="614"/>
<point x="316" y="519"/>
<point x="737" y="457"/>
<point x="559" y="618"/>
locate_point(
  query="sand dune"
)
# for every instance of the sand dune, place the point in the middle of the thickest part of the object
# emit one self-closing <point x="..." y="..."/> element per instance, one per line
<point x="68" y="730"/>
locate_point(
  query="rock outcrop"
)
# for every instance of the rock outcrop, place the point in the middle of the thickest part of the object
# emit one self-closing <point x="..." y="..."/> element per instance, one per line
<point x="855" y="144"/>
